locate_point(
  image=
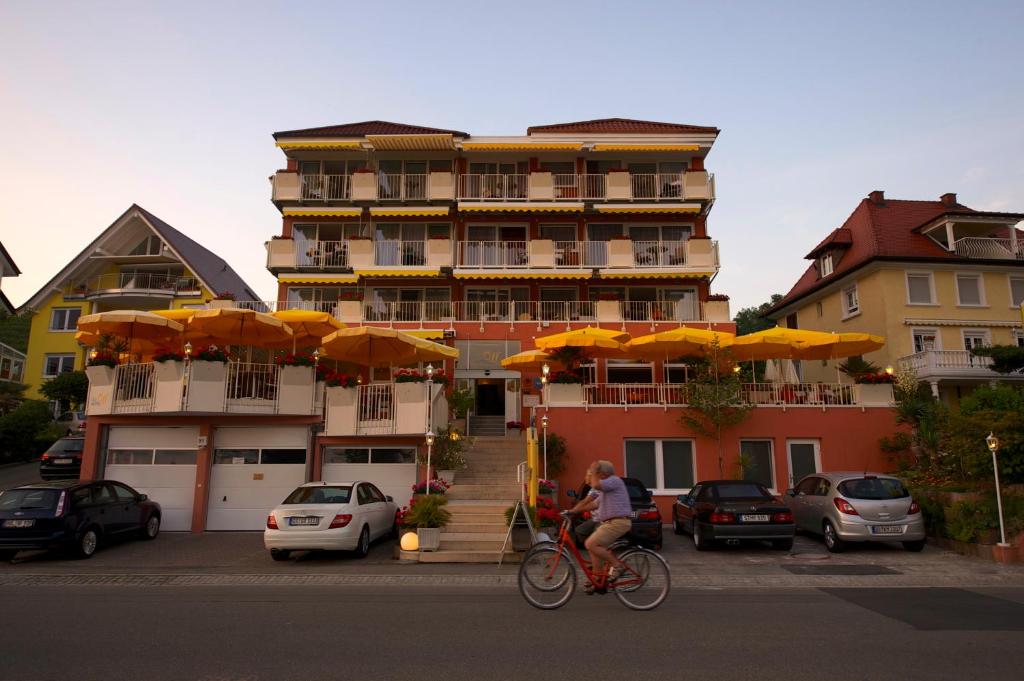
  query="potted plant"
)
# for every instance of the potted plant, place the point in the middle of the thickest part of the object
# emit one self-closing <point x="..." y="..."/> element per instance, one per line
<point x="515" y="426"/>
<point x="212" y="354"/>
<point x="874" y="388"/>
<point x="446" y="457"/>
<point x="222" y="299"/>
<point x="548" y="517"/>
<point x="460" y="401"/>
<point x="427" y="514"/>
<point x="103" y="358"/>
<point x="351" y="295"/>
<point x="437" y="486"/>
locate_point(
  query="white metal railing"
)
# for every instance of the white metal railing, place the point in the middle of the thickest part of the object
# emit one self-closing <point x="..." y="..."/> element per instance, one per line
<point x="758" y="394"/>
<point x="409" y="311"/>
<point x="989" y="248"/>
<point x="12" y="364"/>
<point x="322" y="254"/>
<point x="494" y="186"/>
<point x="661" y="310"/>
<point x="949" y="360"/>
<point x="606" y="394"/>
<point x="593" y="187"/>
<point x="133" y="281"/>
<point x="498" y="254"/>
<point x="839" y="394"/>
<point x="659" y="253"/>
<point x="251" y="387"/>
<point x="566" y="186"/>
<point x="656" y="186"/>
<point x="401" y="186"/>
<point x="133" y="388"/>
<point x="376" y="409"/>
<point x="392" y="252"/>
<point x="324" y="187"/>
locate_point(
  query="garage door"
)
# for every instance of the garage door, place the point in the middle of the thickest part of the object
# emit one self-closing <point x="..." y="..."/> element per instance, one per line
<point x="391" y="469"/>
<point x="254" y="469"/>
<point x="160" y="463"/>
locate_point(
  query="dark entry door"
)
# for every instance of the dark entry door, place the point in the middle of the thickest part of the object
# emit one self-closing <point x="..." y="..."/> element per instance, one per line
<point x="490" y="398"/>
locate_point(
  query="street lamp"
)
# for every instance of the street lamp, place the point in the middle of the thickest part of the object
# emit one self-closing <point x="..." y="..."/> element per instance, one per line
<point x="545" y="370"/>
<point x="544" y="426"/>
<point x="188" y="349"/>
<point x="430" y="430"/>
<point x="993" y="446"/>
<point x="430" y="447"/>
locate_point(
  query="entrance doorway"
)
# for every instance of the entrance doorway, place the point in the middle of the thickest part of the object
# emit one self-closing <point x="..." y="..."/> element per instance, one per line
<point x="490" y="397"/>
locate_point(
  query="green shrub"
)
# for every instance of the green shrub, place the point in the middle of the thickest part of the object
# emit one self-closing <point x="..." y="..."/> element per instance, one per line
<point x="427" y="511"/>
<point x="555" y="453"/>
<point x="934" y="514"/>
<point x="968" y="520"/>
<point x="27" y="431"/>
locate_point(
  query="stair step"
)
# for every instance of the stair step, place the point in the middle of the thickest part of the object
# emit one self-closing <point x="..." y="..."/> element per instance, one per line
<point x="460" y="556"/>
<point x="469" y="508"/>
<point x="471" y="544"/>
<point x="473" y="528"/>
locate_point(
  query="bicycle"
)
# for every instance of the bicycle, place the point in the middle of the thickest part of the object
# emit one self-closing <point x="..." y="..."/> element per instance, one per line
<point x="547" y="575"/>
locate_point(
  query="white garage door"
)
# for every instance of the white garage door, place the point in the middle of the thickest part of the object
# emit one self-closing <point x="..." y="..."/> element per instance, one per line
<point x="391" y="469"/>
<point x="254" y="469"/>
<point x="160" y="463"/>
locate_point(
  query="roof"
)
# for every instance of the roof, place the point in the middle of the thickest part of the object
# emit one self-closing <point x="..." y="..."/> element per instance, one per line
<point x="5" y="304"/>
<point x="366" y="128"/>
<point x="7" y="263"/>
<point x="882" y="231"/>
<point x="622" y="126"/>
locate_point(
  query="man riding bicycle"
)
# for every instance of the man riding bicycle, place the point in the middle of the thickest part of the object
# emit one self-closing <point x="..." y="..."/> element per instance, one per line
<point x="610" y="506"/>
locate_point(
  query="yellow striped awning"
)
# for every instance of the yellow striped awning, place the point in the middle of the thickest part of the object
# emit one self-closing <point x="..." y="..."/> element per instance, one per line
<point x="350" y="212"/>
<point x="431" y="334"/>
<point x="524" y="207"/>
<point x="646" y="147"/>
<point x="378" y="211"/>
<point x="398" y="273"/>
<point x="523" y="275"/>
<point x="322" y="146"/>
<point x="431" y="142"/>
<point x="647" y="208"/>
<point x="522" y="146"/>
<point x="613" y="274"/>
<point x="318" y="278"/>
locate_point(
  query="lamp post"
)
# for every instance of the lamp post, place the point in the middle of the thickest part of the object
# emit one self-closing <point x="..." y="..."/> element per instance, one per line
<point x="430" y="428"/>
<point x="993" y="446"/>
<point x="544" y="427"/>
<point x="430" y="447"/>
<point x="188" y="350"/>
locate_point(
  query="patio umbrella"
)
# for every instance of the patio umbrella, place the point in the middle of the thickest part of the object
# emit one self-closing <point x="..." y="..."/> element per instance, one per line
<point x="234" y="326"/>
<point x="179" y="315"/>
<point x="789" y="374"/>
<point x="308" y="326"/>
<point x="840" y="346"/>
<point x="372" y="346"/>
<point x="132" y="324"/>
<point x="681" y="342"/>
<point x="771" y="372"/>
<point x="528" y="359"/>
<point x="596" y="342"/>
<point x="777" y="343"/>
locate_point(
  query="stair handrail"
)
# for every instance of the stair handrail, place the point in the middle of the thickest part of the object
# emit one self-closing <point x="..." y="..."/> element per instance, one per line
<point x="522" y="476"/>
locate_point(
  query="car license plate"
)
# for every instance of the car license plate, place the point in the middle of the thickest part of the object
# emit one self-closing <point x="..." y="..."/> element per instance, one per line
<point x="886" y="529"/>
<point x="756" y="518"/>
<point x="62" y="462"/>
<point x="19" y="523"/>
<point x="304" y="520"/>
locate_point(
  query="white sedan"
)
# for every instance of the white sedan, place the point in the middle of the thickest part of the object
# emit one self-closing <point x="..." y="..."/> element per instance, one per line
<point x="344" y="516"/>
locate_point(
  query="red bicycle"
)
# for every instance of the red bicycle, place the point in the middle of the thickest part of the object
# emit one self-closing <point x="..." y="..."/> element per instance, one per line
<point x="547" y="575"/>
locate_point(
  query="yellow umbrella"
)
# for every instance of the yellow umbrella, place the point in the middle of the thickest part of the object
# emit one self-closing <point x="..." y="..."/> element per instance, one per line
<point x="840" y="345"/>
<point x="179" y="315"/>
<point x="681" y="342"/>
<point x="777" y="343"/>
<point x="308" y="326"/>
<point x="528" y="359"/>
<point x="372" y="346"/>
<point x="594" y="341"/>
<point x="133" y="324"/>
<point x="234" y="326"/>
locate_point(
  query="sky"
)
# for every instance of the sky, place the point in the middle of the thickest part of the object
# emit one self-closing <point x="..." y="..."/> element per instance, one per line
<point x="172" y="106"/>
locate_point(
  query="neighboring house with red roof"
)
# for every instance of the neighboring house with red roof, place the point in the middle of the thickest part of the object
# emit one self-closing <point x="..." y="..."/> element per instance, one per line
<point x="935" y="278"/>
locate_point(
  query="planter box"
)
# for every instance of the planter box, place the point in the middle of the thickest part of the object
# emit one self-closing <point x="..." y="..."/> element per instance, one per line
<point x="281" y="254"/>
<point x="564" y="394"/>
<point x="439" y="252"/>
<point x="696" y="186"/>
<point x="349" y="311"/>
<point x="169" y="386"/>
<point x="284" y="186"/>
<point x="295" y="388"/>
<point x="521" y="539"/>
<point x="541" y="186"/>
<point x="608" y="311"/>
<point x="873" y="395"/>
<point x="542" y="253"/>
<point x="430" y="538"/>
<point x="447" y="475"/>
<point x="364" y="186"/>
<point x="318" y="397"/>
<point x="220" y="304"/>
<point x="340" y="417"/>
<point x="207" y="383"/>
<point x="700" y="253"/>
<point x="717" y="311"/>
<point x="410" y="408"/>
<point x="441" y="186"/>
<point x="618" y="187"/>
<point x="360" y="252"/>
<point x="101" y="390"/>
<point x="620" y="253"/>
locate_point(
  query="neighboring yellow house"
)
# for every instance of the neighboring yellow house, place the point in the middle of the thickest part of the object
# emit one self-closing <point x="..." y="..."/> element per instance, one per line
<point x="935" y="278"/>
<point x="139" y="262"/>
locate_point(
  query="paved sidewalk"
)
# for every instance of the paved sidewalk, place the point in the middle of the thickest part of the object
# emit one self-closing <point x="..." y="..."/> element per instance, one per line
<point x="237" y="558"/>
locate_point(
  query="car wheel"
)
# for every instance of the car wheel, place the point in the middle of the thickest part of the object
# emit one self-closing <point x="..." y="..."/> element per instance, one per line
<point x="87" y="544"/>
<point x="396" y="532"/>
<point x="915" y="546"/>
<point x="782" y="544"/>
<point x="676" y="526"/>
<point x="364" y="543"/>
<point x="832" y="541"/>
<point x="7" y="556"/>
<point x="280" y="554"/>
<point x="152" y="527"/>
<point x="700" y="542"/>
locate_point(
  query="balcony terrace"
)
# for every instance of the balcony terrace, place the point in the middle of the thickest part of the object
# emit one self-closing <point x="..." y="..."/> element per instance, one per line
<point x="12" y="364"/>
<point x="133" y="285"/>
<point x="627" y="396"/>
<point x="952" y="365"/>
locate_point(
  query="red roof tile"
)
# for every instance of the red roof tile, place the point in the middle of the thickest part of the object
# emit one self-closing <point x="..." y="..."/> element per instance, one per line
<point x="366" y="128"/>
<point x="839" y="238"/>
<point x="621" y="125"/>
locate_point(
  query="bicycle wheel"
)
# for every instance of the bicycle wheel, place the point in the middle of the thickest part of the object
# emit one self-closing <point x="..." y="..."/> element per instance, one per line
<point x="645" y="582"/>
<point x="547" y="577"/>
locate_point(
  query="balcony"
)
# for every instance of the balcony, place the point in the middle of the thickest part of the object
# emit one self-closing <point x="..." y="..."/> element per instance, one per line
<point x="202" y="387"/>
<point x="663" y="395"/>
<point x="12" y="364"/>
<point x="936" y="365"/>
<point x="134" y="285"/>
<point x="366" y="186"/>
<point x="359" y="254"/>
<point x="385" y="409"/>
<point x="988" y="248"/>
<point x="698" y="254"/>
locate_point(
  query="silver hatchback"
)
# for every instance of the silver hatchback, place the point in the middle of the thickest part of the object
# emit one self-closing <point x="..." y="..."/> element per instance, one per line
<point x="856" y="507"/>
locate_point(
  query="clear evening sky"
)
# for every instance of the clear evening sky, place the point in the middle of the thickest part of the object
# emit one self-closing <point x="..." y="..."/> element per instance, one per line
<point x="171" y="105"/>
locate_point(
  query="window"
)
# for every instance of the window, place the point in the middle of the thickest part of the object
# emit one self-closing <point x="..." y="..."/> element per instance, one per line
<point x="975" y="339"/>
<point x="1018" y="339"/>
<point x="1016" y="291"/>
<point x="851" y="303"/>
<point x="627" y="371"/>
<point x="64" y="318"/>
<point x="54" y="365"/>
<point x="175" y="457"/>
<point x="920" y="288"/>
<point x="819" y="308"/>
<point x="969" y="290"/>
<point x="147" y="457"/>
<point x="149" y="246"/>
<point x="283" y="456"/>
<point x="101" y="494"/>
<point x="925" y="340"/>
<point x="824" y="265"/>
<point x="123" y="493"/>
<point x="661" y="464"/>
<point x="325" y="494"/>
<point x="377" y="455"/>
<point x="757" y="461"/>
<point x="676" y="373"/>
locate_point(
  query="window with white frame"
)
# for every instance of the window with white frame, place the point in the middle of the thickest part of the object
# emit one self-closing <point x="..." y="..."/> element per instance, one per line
<point x="1016" y="291"/>
<point x="628" y="371"/>
<point x="55" y="365"/>
<point x="851" y="302"/>
<point x="64" y="318"/>
<point x="925" y="340"/>
<point x="825" y="265"/>
<point x="151" y="457"/>
<point x="920" y="288"/>
<point x="1018" y="339"/>
<point x="661" y="465"/>
<point x="969" y="291"/>
<point x="757" y="462"/>
<point x="976" y="338"/>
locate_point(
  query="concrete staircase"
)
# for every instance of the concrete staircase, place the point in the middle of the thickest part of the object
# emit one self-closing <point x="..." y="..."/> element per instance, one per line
<point x="486" y="426"/>
<point x="477" y="502"/>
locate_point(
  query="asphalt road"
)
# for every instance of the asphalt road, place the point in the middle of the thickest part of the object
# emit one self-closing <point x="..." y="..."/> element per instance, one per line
<point x="260" y="633"/>
<point x="19" y="474"/>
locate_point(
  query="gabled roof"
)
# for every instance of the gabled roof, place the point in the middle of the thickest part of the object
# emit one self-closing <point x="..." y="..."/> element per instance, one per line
<point x="882" y="230"/>
<point x="5" y="304"/>
<point x="622" y="126"/>
<point x="208" y="267"/>
<point x="7" y="263"/>
<point x="366" y="128"/>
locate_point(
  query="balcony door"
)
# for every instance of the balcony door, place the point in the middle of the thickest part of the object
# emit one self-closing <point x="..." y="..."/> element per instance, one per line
<point x="596" y="247"/>
<point x="493" y="304"/>
<point x="679" y="304"/>
<point x="495" y="246"/>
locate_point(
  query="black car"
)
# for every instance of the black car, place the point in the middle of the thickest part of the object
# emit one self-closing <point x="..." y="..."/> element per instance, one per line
<point x="74" y="516"/>
<point x="645" y="517"/>
<point x="733" y="510"/>
<point x="63" y="460"/>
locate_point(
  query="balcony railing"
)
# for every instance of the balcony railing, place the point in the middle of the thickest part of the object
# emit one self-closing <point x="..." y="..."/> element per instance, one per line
<point x="989" y="248"/>
<point x="385" y="409"/>
<point x="133" y="281"/>
<point x="401" y="187"/>
<point x="394" y="252"/>
<point x="12" y="364"/>
<point x="325" y="187"/>
<point x="497" y="254"/>
<point x="322" y="254"/>
<point x="675" y="394"/>
<point x="494" y="187"/>
<point x="952" y="364"/>
<point x="251" y="388"/>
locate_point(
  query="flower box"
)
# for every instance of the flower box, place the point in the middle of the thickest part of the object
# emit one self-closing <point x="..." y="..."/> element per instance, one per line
<point x="281" y="254"/>
<point x="100" y="399"/>
<point x="220" y="304"/>
<point x="617" y="186"/>
<point x="285" y="186"/>
<point x="430" y="538"/>
<point x="169" y="385"/>
<point x="700" y="252"/>
<point x="440" y="186"/>
<point x="207" y="386"/>
<point x="439" y="252"/>
<point x="410" y="408"/>
<point x="564" y="394"/>
<point x="349" y="311"/>
<point x="696" y="186"/>
<point x="341" y="412"/>
<point x="541" y="186"/>
<point x="717" y="311"/>
<point x="360" y="253"/>
<point x="620" y="253"/>
<point x="873" y="395"/>
<point x="541" y="252"/>
<point x="364" y="185"/>
<point x="295" y="390"/>
<point x="608" y="310"/>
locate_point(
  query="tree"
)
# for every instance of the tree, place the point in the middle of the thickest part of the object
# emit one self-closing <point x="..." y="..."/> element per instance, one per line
<point x="995" y="408"/>
<point x="11" y="396"/>
<point x="751" y="319"/>
<point x="69" y="389"/>
<point x="27" y="431"/>
<point x="1006" y="359"/>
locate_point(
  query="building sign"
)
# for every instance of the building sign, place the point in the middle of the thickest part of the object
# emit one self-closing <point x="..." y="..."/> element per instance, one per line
<point x="479" y="355"/>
